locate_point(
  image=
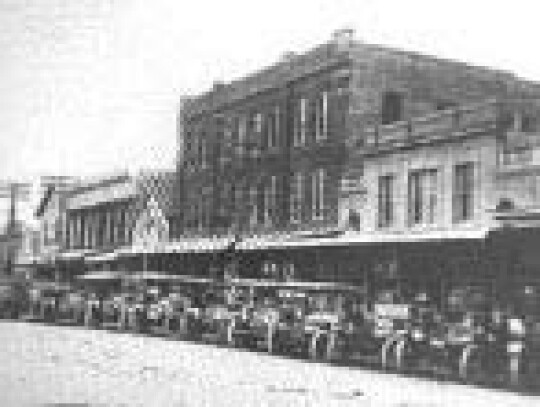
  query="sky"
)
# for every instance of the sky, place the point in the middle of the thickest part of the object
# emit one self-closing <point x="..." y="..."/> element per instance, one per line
<point x="93" y="86"/>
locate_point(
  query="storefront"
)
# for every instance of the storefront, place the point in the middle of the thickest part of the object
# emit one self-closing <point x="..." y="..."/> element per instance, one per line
<point x="431" y="264"/>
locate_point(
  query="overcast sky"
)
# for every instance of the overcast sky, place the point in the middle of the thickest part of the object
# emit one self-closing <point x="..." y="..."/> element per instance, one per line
<point x="91" y="86"/>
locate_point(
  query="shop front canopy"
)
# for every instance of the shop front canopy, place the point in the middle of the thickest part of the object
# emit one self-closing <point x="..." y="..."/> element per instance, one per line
<point x="102" y="257"/>
<point x="50" y="286"/>
<point x="72" y="255"/>
<point x="289" y="241"/>
<point x="100" y="276"/>
<point x="167" y="278"/>
<point x="188" y="245"/>
<point x="305" y="286"/>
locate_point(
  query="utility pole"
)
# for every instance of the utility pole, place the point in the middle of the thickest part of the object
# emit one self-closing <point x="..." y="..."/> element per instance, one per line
<point x="15" y="192"/>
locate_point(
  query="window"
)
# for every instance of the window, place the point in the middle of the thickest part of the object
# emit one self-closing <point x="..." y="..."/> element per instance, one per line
<point x="203" y="160"/>
<point x="270" y="201"/>
<point x="317" y="190"/>
<point x="523" y="122"/>
<point x="201" y="214"/>
<point x="300" y="123"/>
<point x="463" y="191"/>
<point x="273" y="128"/>
<point x="321" y="117"/>
<point x="392" y="107"/>
<point x="228" y="130"/>
<point x="422" y="196"/>
<point x="289" y="272"/>
<point x="242" y="129"/>
<point x="386" y="201"/>
<point x="297" y="193"/>
<point x="254" y="209"/>
<point x="256" y="123"/>
<point x="238" y="205"/>
<point x="112" y="234"/>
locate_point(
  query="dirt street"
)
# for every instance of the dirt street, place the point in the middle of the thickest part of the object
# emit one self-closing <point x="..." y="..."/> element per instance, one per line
<point x="47" y="365"/>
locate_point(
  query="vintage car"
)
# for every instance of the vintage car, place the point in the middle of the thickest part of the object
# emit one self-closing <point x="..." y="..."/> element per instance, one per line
<point x="71" y="308"/>
<point x="289" y="335"/>
<point x="256" y="329"/>
<point x="13" y="300"/>
<point x="321" y="330"/>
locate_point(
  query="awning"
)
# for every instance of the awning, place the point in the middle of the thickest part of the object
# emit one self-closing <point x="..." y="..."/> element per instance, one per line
<point x="27" y="261"/>
<point x="298" y="285"/>
<point x="72" y="255"/>
<point x="100" y="276"/>
<point x="50" y="286"/>
<point x="188" y="245"/>
<point x="156" y="276"/>
<point x="352" y="238"/>
<point x="102" y="257"/>
<point x="200" y="245"/>
<point x="104" y="194"/>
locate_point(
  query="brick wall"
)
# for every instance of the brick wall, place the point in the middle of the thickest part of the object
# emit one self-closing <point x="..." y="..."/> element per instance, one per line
<point x="357" y="77"/>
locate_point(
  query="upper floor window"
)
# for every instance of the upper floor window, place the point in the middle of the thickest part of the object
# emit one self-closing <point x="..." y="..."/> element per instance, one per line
<point x="522" y="122"/>
<point x="228" y="126"/>
<point x="242" y="130"/>
<point x="386" y="200"/>
<point x="201" y="214"/>
<point x="254" y="207"/>
<point x="270" y="201"/>
<point x="256" y="123"/>
<point x="237" y="196"/>
<point x="463" y="197"/>
<point x="423" y="196"/>
<point x="300" y="123"/>
<point x="202" y="154"/>
<point x="318" y="192"/>
<point x="392" y="107"/>
<point x="321" y="117"/>
<point x="297" y="196"/>
<point x="273" y="128"/>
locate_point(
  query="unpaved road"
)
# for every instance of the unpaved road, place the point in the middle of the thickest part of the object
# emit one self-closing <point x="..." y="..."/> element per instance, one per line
<point x="47" y="365"/>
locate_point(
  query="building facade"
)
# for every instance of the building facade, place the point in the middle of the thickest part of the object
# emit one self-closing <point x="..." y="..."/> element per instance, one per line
<point x="99" y="223"/>
<point x="372" y="144"/>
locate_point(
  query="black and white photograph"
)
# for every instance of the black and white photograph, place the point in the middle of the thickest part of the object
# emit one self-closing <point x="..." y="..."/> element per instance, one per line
<point x="269" y="203"/>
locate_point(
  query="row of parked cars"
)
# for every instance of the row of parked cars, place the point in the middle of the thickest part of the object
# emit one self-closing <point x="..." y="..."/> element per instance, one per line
<point x="340" y="324"/>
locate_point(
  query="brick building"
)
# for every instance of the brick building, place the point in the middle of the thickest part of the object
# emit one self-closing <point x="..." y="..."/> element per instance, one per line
<point x="325" y="159"/>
